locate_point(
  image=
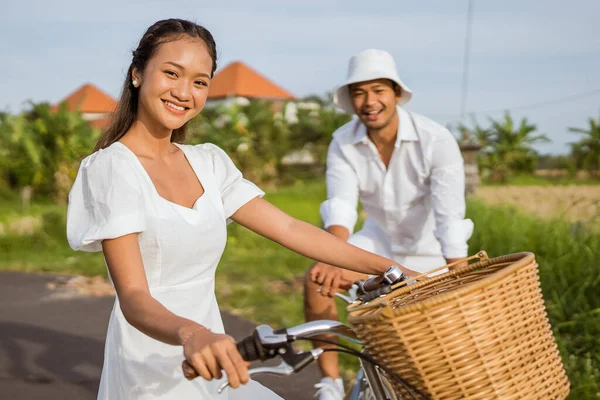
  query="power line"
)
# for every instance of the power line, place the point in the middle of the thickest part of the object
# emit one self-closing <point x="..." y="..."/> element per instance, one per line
<point x="528" y="106"/>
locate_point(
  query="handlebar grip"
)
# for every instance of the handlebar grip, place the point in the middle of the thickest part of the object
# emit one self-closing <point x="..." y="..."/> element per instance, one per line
<point x="188" y="371"/>
<point x="249" y="350"/>
<point x="373" y="294"/>
<point x="373" y="283"/>
<point x="390" y="277"/>
<point x="380" y="285"/>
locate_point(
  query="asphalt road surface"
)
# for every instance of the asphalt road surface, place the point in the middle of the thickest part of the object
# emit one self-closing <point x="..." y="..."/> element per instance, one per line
<point x="52" y="342"/>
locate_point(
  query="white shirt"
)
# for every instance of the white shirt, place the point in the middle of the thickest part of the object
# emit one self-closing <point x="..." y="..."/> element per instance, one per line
<point x="418" y="201"/>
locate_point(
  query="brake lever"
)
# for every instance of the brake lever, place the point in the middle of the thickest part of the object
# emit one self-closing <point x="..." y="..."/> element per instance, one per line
<point x="299" y="361"/>
<point x="352" y="294"/>
<point x="347" y="299"/>
<point x="283" y="369"/>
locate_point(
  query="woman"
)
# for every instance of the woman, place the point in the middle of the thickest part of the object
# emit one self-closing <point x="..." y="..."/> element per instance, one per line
<point x="158" y="211"/>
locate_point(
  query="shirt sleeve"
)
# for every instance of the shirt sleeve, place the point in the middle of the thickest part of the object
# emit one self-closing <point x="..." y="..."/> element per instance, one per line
<point x="342" y="191"/>
<point x="448" y="195"/>
<point x="105" y="202"/>
<point x="235" y="190"/>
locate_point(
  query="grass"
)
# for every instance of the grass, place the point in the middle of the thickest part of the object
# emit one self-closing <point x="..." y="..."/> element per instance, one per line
<point x="544" y="180"/>
<point x="254" y="270"/>
<point x="46" y="250"/>
<point x="262" y="281"/>
<point x="35" y="241"/>
<point x="579" y="204"/>
<point x="569" y="262"/>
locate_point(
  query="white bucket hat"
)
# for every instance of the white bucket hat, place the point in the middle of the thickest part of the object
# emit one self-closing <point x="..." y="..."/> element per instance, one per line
<point x="366" y="66"/>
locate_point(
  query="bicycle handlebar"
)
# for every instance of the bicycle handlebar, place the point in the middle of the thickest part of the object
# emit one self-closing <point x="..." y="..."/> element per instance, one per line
<point x="266" y="343"/>
<point x="247" y="348"/>
<point x="372" y="284"/>
<point x="380" y="285"/>
<point x="250" y="350"/>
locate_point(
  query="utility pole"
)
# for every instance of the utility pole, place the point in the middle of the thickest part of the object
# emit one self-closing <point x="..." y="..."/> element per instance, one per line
<point x="463" y="102"/>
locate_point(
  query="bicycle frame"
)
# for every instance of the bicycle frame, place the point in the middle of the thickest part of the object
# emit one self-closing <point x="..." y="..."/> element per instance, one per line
<point x="368" y="377"/>
<point x="367" y="371"/>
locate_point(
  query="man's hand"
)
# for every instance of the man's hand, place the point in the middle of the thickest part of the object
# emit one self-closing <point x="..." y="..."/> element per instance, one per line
<point x="330" y="278"/>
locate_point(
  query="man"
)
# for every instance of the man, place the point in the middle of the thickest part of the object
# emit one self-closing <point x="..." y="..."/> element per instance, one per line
<point x="407" y="172"/>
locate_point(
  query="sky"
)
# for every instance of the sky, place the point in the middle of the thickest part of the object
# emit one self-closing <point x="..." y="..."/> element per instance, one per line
<point x="538" y="59"/>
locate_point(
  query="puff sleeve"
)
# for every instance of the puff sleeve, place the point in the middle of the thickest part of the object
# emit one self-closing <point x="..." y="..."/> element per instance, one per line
<point x="105" y="202"/>
<point x="235" y="190"/>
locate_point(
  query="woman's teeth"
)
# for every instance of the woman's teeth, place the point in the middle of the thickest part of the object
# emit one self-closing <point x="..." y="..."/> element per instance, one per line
<point x="180" y="108"/>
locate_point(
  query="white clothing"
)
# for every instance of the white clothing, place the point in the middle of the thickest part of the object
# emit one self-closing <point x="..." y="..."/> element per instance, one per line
<point x="374" y="239"/>
<point x="330" y="389"/>
<point x="417" y="203"/>
<point x="113" y="196"/>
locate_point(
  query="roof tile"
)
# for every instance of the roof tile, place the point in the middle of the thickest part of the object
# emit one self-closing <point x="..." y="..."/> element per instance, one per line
<point x="89" y="99"/>
<point x="238" y="79"/>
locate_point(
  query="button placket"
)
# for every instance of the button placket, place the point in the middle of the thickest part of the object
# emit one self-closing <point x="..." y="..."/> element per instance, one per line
<point x="391" y="196"/>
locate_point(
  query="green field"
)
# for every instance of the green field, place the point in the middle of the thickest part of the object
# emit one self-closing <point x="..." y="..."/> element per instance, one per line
<point x="262" y="281"/>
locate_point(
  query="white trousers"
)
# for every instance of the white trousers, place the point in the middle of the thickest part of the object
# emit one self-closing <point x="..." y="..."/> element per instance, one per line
<point x="375" y="240"/>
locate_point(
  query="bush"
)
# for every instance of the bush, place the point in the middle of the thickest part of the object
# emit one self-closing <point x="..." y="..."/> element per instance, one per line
<point x="54" y="225"/>
<point x="257" y="136"/>
<point x="42" y="147"/>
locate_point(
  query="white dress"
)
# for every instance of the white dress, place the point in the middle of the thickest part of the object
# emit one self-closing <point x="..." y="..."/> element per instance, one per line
<point x="113" y="196"/>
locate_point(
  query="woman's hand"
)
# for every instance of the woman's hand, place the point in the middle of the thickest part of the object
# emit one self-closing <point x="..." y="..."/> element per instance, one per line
<point x="209" y="353"/>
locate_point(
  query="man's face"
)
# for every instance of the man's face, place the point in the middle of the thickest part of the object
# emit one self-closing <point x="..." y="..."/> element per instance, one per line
<point x="374" y="102"/>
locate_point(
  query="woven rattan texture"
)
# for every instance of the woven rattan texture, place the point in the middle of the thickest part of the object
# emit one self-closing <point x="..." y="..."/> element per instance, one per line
<point x="478" y="332"/>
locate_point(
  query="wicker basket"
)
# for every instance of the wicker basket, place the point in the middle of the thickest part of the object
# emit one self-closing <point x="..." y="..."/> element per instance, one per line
<point x="477" y="332"/>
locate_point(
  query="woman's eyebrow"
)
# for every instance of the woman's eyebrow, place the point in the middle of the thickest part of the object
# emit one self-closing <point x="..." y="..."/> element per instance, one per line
<point x="182" y="68"/>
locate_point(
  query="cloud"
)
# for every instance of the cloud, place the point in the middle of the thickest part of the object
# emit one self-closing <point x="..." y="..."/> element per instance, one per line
<point x="523" y="51"/>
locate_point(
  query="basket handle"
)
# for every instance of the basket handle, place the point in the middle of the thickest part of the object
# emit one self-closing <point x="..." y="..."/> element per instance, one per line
<point x="481" y="255"/>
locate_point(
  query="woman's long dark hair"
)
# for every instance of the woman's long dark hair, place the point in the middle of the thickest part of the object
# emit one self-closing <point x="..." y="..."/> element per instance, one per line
<point x="161" y="32"/>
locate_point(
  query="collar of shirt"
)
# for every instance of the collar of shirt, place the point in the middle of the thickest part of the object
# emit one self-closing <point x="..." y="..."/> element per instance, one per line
<point x="406" y="130"/>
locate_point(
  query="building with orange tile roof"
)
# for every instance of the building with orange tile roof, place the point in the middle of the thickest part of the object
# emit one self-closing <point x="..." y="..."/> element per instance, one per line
<point x="231" y="83"/>
<point x="237" y="80"/>
<point x="94" y="104"/>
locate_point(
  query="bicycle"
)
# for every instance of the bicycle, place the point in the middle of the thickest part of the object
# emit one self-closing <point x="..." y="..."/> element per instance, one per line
<point x="372" y="380"/>
<point x="511" y="354"/>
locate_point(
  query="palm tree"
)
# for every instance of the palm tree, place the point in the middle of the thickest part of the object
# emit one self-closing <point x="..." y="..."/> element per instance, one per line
<point x="586" y="152"/>
<point x="513" y="146"/>
<point x="478" y="134"/>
